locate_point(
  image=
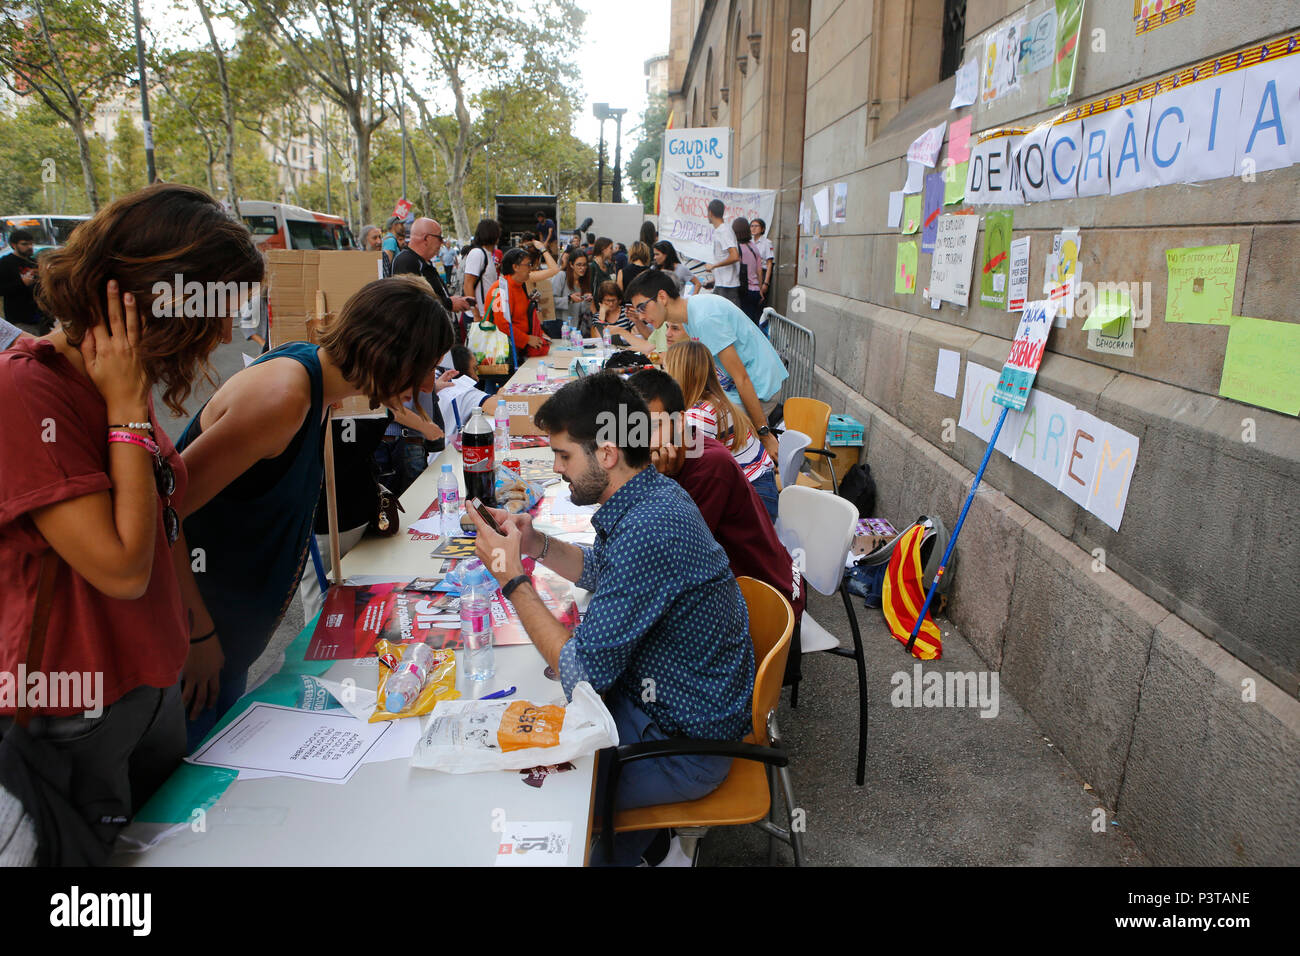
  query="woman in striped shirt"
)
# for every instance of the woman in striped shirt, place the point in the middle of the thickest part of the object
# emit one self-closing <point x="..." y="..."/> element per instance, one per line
<point x="710" y="411"/>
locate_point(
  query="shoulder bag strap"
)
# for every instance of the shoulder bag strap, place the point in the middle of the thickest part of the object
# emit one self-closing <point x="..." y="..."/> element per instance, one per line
<point x="40" y="622"/>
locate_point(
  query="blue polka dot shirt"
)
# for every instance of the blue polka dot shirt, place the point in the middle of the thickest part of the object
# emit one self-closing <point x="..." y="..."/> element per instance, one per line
<point x="667" y="626"/>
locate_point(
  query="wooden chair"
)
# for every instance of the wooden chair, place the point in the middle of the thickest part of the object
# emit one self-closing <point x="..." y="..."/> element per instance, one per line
<point x="748" y="795"/>
<point x="813" y="418"/>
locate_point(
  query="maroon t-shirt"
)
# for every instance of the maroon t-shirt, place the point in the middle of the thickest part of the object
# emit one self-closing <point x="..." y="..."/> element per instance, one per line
<point x="54" y="447"/>
<point x="739" y="521"/>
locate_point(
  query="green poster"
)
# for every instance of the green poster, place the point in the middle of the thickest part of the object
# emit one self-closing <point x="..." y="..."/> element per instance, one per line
<point x="905" y="269"/>
<point x="1112" y="305"/>
<point x="911" y="213"/>
<point x="997" y="264"/>
<point x="1262" y="364"/>
<point x="1069" y="20"/>
<point x="954" y="183"/>
<point x="1202" y="283"/>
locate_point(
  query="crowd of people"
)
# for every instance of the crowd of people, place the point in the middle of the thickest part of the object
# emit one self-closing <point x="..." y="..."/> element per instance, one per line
<point x="173" y="565"/>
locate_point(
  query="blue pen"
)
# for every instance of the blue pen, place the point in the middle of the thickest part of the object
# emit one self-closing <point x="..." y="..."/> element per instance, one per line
<point x="499" y="694"/>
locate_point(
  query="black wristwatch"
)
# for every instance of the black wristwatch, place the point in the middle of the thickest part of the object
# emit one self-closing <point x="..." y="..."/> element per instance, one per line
<point x="764" y="431"/>
<point x="508" y="588"/>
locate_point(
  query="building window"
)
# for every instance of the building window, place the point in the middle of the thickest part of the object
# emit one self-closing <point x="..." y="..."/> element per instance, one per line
<point x="954" y="37"/>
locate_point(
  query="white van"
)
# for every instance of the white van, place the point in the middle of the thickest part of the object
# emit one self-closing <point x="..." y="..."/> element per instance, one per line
<point x="276" y="225"/>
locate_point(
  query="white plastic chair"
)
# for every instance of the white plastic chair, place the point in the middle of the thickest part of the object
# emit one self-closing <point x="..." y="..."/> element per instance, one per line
<point x="789" y="452"/>
<point x="817" y="529"/>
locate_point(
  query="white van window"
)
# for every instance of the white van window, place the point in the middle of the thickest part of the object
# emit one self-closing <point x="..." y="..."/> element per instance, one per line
<point x="261" y="225"/>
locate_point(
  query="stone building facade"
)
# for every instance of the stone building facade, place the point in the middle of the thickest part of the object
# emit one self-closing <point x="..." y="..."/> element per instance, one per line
<point x="1163" y="658"/>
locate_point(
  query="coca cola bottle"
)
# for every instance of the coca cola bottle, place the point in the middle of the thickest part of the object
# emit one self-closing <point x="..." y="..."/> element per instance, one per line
<point x="477" y="441"/>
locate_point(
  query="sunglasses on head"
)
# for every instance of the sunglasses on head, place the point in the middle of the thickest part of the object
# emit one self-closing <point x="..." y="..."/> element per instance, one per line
<point x="165" y="479"/>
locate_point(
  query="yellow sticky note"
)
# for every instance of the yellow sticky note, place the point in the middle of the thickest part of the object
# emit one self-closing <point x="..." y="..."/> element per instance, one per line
<point x="954" y="183"/>
<point x="911" y="213"/>
<point x="1112" y="305"/>
<point x="1262" y="364"/>
<point x="1202" y="283"/>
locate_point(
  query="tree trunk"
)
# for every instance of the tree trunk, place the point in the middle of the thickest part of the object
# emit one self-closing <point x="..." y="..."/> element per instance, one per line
<point x="87" y="168"/>
<point x="361" y="130"/>
<point x="227" y="107"/>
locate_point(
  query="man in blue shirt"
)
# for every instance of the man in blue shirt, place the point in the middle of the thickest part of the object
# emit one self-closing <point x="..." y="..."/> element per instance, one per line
<point x="666" y="635"/>
<point x="740" y="350"/>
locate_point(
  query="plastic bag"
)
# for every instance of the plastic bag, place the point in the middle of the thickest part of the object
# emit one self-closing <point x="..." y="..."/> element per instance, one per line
<point x="489" y="344"/>
<point x="438" y="686"/>
<point x="517" y="493"/>
<point x="468" y="736"/>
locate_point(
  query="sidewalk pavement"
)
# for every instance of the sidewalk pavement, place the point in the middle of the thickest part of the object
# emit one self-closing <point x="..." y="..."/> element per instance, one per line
<point x="944" y="786"/>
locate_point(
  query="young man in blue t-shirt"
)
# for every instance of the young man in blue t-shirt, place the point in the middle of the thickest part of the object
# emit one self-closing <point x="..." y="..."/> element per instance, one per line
<point x="739" y="348"/>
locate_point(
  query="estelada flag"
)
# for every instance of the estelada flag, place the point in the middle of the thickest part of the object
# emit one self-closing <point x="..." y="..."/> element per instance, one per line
<point x="902" y="596"/>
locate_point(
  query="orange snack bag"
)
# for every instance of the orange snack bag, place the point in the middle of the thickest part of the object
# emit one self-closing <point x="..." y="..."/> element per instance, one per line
<point x="527" y="725"/>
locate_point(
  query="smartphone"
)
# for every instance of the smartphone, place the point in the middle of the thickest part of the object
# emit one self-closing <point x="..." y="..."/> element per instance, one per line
<point x="486" y="515"/>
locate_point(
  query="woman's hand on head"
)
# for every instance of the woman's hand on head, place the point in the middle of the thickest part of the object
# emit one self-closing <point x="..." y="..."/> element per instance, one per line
<point x="111" y="353"/>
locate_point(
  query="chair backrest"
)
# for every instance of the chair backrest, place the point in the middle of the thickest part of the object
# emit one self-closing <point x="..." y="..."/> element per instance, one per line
<point x="789" y="453"/>
<point x="820" y="524"/>
<point x="771" y="622"/>
<point x="809" y="416"/>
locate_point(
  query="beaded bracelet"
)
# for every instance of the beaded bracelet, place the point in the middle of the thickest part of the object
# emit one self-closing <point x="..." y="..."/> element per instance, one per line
<point x="148" y="444"/>
<point x="140" y="426"/>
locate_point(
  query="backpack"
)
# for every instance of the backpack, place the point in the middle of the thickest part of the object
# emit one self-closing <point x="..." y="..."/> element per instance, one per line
<point x="860" y="488"/>
<point x="910" y="561"/>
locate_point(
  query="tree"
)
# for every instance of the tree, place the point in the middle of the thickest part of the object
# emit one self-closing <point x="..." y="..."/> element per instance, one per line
<point x="643" y="163"/>
<point x="227" y="104"/>
<point x="68" y="54"/>
<point x="338" y="46"/>
<point x="37" y="151"/>
<point x="471" y="44"/>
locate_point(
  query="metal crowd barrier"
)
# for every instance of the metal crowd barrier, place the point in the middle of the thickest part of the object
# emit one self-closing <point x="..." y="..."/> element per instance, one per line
<point x="796" y="346"/>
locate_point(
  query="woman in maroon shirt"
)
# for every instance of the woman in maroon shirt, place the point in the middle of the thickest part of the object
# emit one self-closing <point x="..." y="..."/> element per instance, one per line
<point x="90" y="486"/>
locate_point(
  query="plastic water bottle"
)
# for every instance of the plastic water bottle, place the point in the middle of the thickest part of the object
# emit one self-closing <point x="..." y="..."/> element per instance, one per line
<point x="477" y="656"/>
<point x="449" y="502"/>
<point x="408" y="677"/>
<point x="501" y="425"/>
<point x="565" y="331"/>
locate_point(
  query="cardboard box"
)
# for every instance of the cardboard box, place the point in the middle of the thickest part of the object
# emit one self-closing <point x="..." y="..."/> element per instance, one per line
<point x="296" y="277"/>
<point x="522" y="406"/>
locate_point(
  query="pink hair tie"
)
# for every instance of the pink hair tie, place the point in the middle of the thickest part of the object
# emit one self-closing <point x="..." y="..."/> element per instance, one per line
<point x="148" y="444"/>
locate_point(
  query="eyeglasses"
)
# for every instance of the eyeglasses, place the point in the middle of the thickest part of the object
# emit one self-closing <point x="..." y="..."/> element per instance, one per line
<point x="165" y="479"/>
<point x="434" y="235"/>
<point x="642" y="307"/>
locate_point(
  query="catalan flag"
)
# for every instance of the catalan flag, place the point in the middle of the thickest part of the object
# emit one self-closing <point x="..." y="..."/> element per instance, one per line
<point x="903" y="595"/>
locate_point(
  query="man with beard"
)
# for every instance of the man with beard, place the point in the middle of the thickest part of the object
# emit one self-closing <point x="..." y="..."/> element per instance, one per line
<point x="18" y="285"/>
<point x="666" y="613"/>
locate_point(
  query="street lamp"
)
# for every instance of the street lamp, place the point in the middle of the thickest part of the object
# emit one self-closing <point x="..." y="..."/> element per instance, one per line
<point x="617" y="114"/>
<point x="601" y="112"/>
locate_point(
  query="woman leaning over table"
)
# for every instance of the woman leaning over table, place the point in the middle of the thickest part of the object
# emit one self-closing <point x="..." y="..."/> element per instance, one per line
<point x="90" y="486"/>
<point x="256" y="463"/>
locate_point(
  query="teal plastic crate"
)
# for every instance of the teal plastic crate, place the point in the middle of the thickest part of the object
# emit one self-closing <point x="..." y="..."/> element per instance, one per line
<point x="844" y="430"/>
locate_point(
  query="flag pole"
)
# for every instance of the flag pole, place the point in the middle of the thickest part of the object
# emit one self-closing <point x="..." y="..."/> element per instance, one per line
<point x="952" y="542"/>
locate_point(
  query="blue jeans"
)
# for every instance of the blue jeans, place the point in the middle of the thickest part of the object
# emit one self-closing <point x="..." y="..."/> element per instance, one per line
<point x="401" y="460"/>
<point x="765" y="485"/>
<point x="645" y="783"/>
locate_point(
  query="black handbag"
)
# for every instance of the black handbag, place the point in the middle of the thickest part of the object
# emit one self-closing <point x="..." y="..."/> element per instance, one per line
<point x="386" y="522"/>
<point x="37" y="773"/>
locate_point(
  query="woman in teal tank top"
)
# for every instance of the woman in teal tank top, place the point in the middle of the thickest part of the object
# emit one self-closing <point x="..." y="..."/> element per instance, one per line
<point x="255" y="455"/>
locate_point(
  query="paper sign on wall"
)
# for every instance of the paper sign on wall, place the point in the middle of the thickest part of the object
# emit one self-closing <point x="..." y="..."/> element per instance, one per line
<point x="1069" y="18"/>
<point x="997" y="266"/>
<point x="979" y="415"/>
<point x="915" y="178"/>
<point x="1116" y="459"/>
<point x="840" y="211"/>
<point x="959" y="140"/>
<point x="1026" y="355"/>
<point x="822" y="203"/>
<point x="925" y="148"/>
<point x="1002" y="61"/>
<point x="1262" y="364"/>
<point x="911" y="214"/>
<point x="1202" y="283"/>
<point x="931" y="206"/>
<point x="954" y="253"/>
<point x="1115" y="338"/>
<point x="905" y="268"/>
<point x="967" y="84"/>
<point x="1038" y="43"/>
<point x="954" y="182"/>
<point x="946" y="372"/>
<point x="1061" y="274"/>
<point x="1018" y="274"/>
<point x="895" y="209"/>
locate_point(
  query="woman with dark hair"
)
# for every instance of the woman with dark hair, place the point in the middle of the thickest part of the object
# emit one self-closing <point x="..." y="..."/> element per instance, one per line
<point x="666" y="260"/>
<point x="750" y="297"/>
<point x="572" y="289"/>
<point x="763" y="245"/>
<point x="256" y="462"/>
<point x="481" y="264"/>
<point x="90" y="486"/>
<point x="638" y="262"/>
<point x="510" y="305"/>
<point x="649" y="234"/>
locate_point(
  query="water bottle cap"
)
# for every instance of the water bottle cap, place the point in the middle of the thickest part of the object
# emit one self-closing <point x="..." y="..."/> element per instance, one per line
<point x="447" y="468"/>
<point x="394" y="701"/>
